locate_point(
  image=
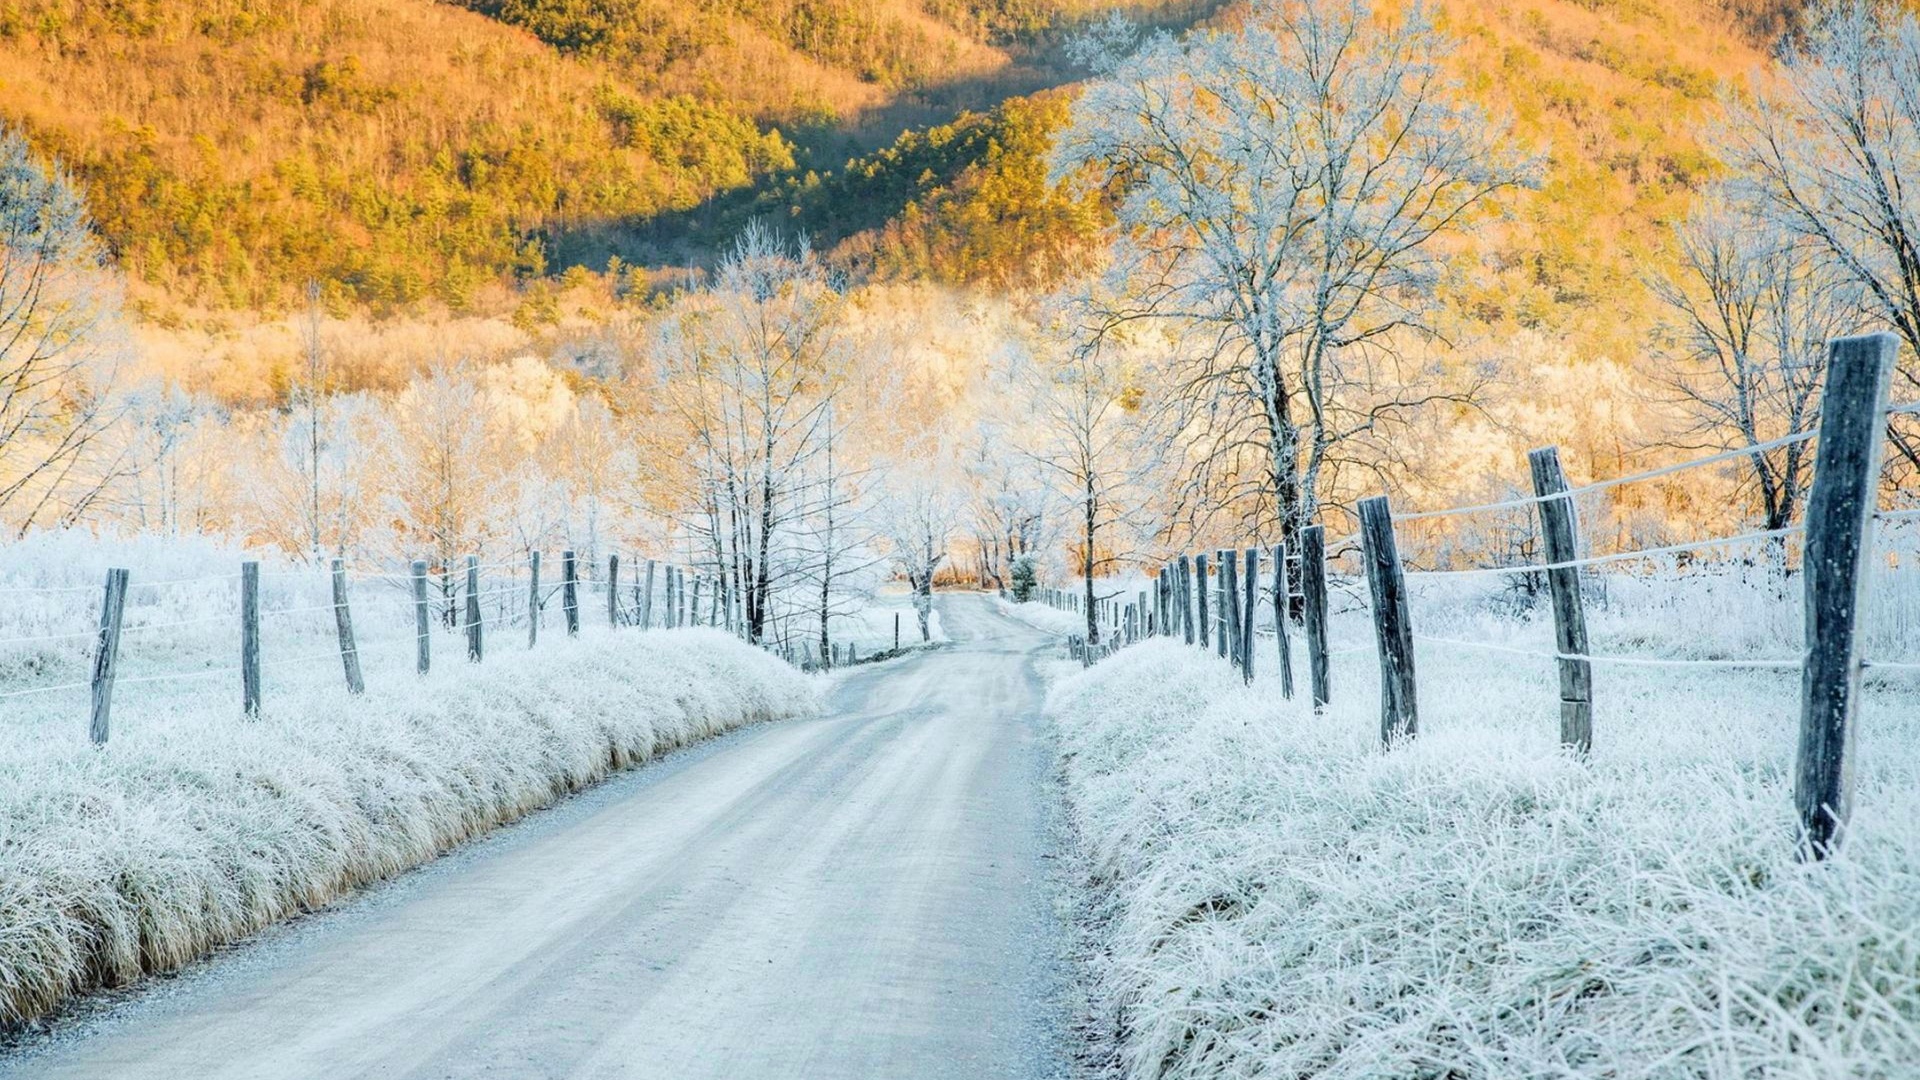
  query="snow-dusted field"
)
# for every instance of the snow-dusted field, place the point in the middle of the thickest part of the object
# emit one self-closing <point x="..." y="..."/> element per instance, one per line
<point x="195" y="826"/>
<point x="1274" y="895"/>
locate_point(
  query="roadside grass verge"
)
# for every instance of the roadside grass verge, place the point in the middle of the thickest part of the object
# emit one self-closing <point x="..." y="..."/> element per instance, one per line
<point x="194" y="829"/>
<point x="1275" y="895"/>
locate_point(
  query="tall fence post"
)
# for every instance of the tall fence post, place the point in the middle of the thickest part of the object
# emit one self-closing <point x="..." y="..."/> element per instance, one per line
<point x="422" y="626"/>
<point x="673" y="610"/>
<point x="1252" y="605"/>
<point x="343" y="626"/>
<point x="646" y="598"/>
<point x="1185" y="600"/>
<point x="1313" y="610"/>
<point x="533" y="599"/>
<point x="1839" y="517"/>
<point x="475" y="646"/>
<point x="693" y="609"/>
<point x="570" y="591"/>
<point x="1201" y="586"/>
<point x="1230" y="643"/>
<point x="1280" y="606"/>
<point x="613" y="590"/>
<point x="250" y="637"/>
<point x="1559" y="530"/>
<point x="106" y="654"/>
<point x="1393" y="627"/>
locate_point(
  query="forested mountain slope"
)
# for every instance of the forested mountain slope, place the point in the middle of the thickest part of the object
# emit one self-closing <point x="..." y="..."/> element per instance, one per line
<point x="408" y="152"/>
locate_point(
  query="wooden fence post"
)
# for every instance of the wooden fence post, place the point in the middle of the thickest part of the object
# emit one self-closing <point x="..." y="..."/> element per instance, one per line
<point x="1252" y="606"/>
<point x="1200" y="587"/>
<point x="673" y="597"/>
<point x="896" y="631"/>
<point x="533" y="599"/>
<point x="1230" y="607"/>
<point x="475" y="644"/>
<point x="1186" y="597"/>
<point x="1313" y="604"/>
<point x="570" y="591"/>
<point x="1393" y="628"/>
<point x="1838" y="561"/>
<point x="693" y="609"/>
<point x="106" y="654"/>
<point x="343" y="626"/>
<point x="250" y="637"/>
<point x="646" y="598"/>
<point x="1559" y="529"/>
<point x="1280" y="606"/>
<point x="422" y="630"/>
<point x="613" y="590"/>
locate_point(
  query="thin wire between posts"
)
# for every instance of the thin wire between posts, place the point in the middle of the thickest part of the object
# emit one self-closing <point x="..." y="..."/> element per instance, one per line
<point x="1620" y="556"/>
<point x="1622" y="661"/>
<point x="1618" y="481"/>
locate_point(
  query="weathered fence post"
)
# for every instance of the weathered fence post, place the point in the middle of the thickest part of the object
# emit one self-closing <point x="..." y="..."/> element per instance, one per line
<point x="1200" y="587"/>
<point x="1280" y="606"/>
<point x="1230" y="607"/>
<point x="533" y="599"/>
<point x="646" y="598"/>
<point x="250" y="637"/>
<point x="613" y="590"/>
<point x="106" y="654"/>
<point x="693" y="609"/>
<point x="570" y="591"/>
<point x="1393" y="628"/>
<point x="1559" y="529"/>
<point x="1252" y="606"/>
<point x="673" y="597"/>
<point x="1313" y="605"/>
<point x="343" y="626"/>
<point x="896" y="631"/>
<point x="1186" y="597"/>
<point x="475" y="645"/>
<point x="422" y="632"/>
<point x="1839" y="517"/>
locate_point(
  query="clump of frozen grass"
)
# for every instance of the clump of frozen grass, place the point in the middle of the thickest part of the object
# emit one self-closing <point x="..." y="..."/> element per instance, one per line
<point x="1278" y="896"/>
<point x="198" y="827"/>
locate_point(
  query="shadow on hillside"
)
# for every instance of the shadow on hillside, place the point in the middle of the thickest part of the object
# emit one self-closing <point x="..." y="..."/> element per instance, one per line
<point x="692" y="238"/>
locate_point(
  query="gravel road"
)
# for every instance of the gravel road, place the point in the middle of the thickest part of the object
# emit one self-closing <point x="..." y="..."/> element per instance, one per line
<point x="862" y="895"/>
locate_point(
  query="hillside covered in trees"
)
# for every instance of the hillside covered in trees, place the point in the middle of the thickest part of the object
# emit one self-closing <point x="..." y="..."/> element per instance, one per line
<point x="421" y="155"/>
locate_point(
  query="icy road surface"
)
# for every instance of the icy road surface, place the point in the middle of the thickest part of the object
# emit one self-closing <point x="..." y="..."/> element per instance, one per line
<point x="862" y="895"/>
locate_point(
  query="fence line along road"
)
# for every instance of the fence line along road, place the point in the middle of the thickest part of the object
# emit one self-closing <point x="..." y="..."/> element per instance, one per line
<point x="1837" y="568"/>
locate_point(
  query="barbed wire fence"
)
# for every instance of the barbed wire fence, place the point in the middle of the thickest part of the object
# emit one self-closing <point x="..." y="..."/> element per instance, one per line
<point x="1212" y="599"/>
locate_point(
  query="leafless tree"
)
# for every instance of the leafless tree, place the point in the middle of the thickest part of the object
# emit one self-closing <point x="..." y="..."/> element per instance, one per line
<point x="745" y="374"/>
<point x="1830" y="148"/>
<point x="1081" y="426"/>
<point x="1284" y="190"/>
<point x="1752" y="307"/>
<point x="58" y="344"/>
<point x="921" y="517"/>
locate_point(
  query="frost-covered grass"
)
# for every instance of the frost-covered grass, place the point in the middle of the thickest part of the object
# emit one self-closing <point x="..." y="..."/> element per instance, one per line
<point x="1043" y="617"/>
<point x="195" y="826"/>
<point x="1275" y="895"/>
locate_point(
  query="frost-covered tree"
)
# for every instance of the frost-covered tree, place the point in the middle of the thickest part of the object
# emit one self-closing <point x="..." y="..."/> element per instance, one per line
<point x="921" y="516"/>
<point x="1829" y="147"/>
<point x="1285" y="188"/>
<point x="745" y="374"/>
<point x="59" y="343"/>
<point x="1752" y="307"/>
<point x="1080" y="427"/>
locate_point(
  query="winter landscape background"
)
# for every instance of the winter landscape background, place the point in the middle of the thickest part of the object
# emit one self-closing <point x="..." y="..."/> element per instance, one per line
<point x="699" y="359"/>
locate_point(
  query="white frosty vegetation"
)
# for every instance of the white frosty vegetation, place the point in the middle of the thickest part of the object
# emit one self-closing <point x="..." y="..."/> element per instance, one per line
<point x="195" y="827"/>
<point x="1276" y="896"/>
